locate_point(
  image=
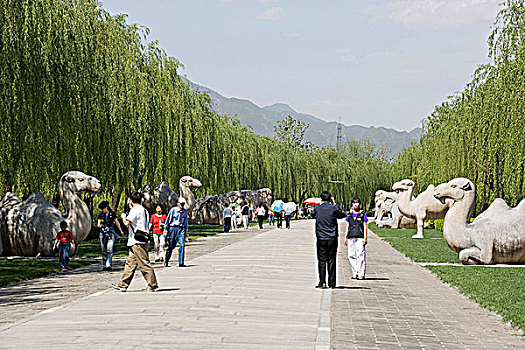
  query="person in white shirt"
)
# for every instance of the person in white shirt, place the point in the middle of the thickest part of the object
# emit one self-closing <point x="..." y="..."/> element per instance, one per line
<point x="227" y="217"/>
<point x="261" y="212"/>
<point x="137" y="219"/>
<point x="234" y="219"/>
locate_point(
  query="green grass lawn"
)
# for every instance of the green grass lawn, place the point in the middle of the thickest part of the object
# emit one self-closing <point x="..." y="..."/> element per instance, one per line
<point x="432" y="248"/>
<point x="16" y="270"/>
<point x="498" y="289"/>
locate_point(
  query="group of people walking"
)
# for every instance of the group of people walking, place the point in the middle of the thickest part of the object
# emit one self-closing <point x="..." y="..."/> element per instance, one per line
<point x="172" y="229"/>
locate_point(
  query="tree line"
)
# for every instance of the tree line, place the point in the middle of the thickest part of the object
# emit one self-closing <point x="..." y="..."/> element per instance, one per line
<point x="84" y="90"/>
<point x="479" y="133"/>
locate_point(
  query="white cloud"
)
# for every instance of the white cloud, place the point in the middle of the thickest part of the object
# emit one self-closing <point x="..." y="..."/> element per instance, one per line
<point x="439" y="13"/>
<point x="269" y="0"/>
<point x="273" y="14"/>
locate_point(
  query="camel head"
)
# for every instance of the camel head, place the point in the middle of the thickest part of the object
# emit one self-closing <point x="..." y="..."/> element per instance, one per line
<point x="265" y="194"/>
<point x="77" y="182"/>
<point x="378" y="195"/>
<point x="456" y="189"/>
<point x="188" y="182"/>
<point x="404" y="185"/>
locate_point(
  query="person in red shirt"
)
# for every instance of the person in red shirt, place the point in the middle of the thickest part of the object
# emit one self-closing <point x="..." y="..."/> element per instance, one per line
<point x="156" y="223"/>
<point x="65" y="241"/>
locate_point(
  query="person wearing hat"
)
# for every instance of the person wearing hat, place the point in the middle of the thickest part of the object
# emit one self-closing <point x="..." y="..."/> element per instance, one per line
<point x="176" y="228"/>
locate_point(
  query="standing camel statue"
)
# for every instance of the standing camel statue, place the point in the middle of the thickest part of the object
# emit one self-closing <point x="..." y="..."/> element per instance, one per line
<point x="495" y="236"/>
<point x="388" y="206"/>
<point x="185" y="185"/>
<point x="423" y="208"/>
<point x="29" y="227"/>
<point x="164" y="196"/>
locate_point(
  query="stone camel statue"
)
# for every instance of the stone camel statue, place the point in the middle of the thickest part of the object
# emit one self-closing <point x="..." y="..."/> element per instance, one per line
<point x="208" y="210"/>
<point x="164" y="196"/>
<point x="496" y="236"/>
<point x="387" y="205"/>
<point x="28" y="228"/>
<point x="423" y="208"/>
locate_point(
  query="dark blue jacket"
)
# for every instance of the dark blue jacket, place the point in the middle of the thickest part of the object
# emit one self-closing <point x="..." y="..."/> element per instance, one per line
<point x="326" y="216"/>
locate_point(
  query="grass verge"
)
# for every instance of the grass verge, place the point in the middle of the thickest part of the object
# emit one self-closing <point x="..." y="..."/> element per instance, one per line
<point x="498" y="289"/>
<point x="432" y="248"/>
<point x="17" y="270"/>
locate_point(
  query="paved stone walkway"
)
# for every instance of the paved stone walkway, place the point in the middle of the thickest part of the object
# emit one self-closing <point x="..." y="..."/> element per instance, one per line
<point x="254" y="294"/>
<point x="403" y="306"/>
<point x="33" y="296"/>
<point x="257" y="293"/>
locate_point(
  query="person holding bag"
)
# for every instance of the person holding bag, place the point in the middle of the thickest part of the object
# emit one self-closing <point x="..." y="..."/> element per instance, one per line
<point x="138" y="242"/>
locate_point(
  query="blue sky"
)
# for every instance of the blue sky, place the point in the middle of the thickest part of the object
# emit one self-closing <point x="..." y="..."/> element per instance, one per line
<point x="370" y="62"/>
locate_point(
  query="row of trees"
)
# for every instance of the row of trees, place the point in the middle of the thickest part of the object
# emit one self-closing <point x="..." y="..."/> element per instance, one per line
<point x="479" y="133"/>
<point x="82" y="89"/>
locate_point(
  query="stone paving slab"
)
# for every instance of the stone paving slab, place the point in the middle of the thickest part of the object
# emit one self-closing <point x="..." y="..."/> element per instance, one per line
<point x="402" y="305"/>
<point x="254" y="294"/>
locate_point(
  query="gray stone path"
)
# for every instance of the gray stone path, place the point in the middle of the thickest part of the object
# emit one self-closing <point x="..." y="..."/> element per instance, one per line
<point x="254" y="294"/>
<point x="403" y="306"/>
<point x="257" y="293"/>
<point x="33" y="296"/>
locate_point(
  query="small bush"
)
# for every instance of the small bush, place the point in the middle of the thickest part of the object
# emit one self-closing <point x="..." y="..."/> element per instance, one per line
<point x="438" y="224"/>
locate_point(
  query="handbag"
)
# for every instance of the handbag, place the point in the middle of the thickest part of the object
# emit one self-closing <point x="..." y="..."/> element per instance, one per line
<point x="142" y="236"/>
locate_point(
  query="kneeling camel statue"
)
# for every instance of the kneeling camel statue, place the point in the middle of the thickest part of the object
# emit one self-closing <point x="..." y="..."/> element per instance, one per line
<point x="29" y="227"/>
<point x="496" y="236"/>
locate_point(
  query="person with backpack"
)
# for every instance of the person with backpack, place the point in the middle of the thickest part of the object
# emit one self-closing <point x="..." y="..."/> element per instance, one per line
<point x="355" y="239"/>
<point x="137" y="221"/>
<point x="107" y="221"/>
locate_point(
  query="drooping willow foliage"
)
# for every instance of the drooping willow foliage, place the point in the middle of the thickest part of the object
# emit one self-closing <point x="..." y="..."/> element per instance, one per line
<point x="479" y="133"/>
<point x="82" y="90"/>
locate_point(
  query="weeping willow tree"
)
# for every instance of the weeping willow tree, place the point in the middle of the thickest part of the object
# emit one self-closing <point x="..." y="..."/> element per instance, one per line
<point x="84" y="90"/>
<point x="479" y="133"/>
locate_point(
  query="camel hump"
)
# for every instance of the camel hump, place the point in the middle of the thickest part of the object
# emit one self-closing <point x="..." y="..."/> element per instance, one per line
<point x="500" y="211"/>
<point x="37" y="198"/>
<point x="9" y="199"/>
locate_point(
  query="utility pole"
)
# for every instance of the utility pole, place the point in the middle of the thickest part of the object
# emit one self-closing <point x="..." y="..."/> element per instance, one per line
<point x="339" y="134"/>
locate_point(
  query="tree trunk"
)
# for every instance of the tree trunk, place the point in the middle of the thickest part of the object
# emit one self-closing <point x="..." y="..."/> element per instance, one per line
<point x="88" y="199"/>
<point x="116" y="199"/>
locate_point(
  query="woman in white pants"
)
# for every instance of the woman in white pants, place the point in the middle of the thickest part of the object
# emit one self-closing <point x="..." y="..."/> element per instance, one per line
<point x="355" y="239"/>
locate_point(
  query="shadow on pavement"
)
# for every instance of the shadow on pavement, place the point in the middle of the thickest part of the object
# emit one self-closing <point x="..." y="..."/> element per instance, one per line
<point x="347" y="287"/>
<point x="377" y="279"/>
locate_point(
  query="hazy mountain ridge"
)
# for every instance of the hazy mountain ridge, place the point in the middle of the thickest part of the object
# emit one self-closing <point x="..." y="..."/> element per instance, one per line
<point x="320" y="132"/>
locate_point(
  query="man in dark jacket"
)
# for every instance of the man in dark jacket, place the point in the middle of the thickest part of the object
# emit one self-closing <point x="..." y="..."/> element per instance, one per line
<point x="326" y="231"/>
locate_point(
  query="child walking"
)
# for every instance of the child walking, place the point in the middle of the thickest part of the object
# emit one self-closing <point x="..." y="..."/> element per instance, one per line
<point x="356" y="235"/>
<point x="65" y="241"/>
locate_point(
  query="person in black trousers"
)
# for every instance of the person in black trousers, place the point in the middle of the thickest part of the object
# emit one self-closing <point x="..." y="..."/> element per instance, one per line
<point x="327" y="232"/>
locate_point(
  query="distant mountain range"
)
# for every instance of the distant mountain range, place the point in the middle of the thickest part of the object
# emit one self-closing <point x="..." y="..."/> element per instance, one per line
<point x="320" y="132"/>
